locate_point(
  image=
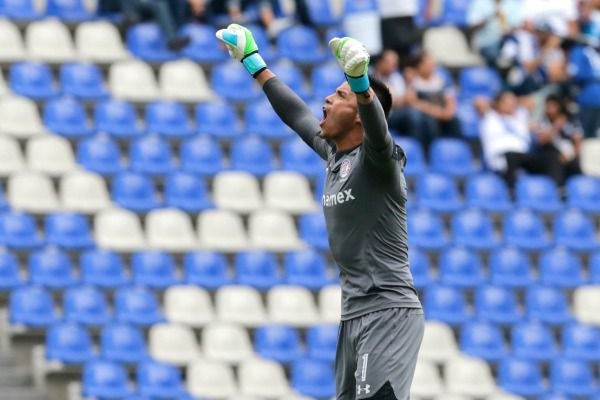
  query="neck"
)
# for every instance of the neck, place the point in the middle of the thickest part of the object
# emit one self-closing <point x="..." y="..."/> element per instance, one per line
<point x="350" y="141"/>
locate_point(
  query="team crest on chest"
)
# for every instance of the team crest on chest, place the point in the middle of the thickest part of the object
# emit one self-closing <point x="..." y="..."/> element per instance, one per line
<point x="345" y="169"/>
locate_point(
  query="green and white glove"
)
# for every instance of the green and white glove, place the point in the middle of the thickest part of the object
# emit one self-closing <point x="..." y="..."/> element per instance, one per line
<point x="241" y="46"/>
<point x="354" y="59"/>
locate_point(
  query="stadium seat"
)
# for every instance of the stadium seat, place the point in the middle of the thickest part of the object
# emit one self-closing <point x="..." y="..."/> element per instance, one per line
<point x="231" y="81"/>
<point x="188" y="305"/>
<point x="66" y="117"/>
<point x="147" y="42"/>
<point x="184" y="81"/>
<point x="525" y="230"/>
<point x="82" y="80"/>
<point x="469" y="119"/>
<point x="217" y="118"/>
<point x="561" y="268"/>
<point x="547" y="305"/>
<point x="159" y="380"/>
<point x="226" y="342"/>
<point x="427" y="381"/>
<point x="50" y="154"/>
<point x="420" y="268"/>
<point x="483" y="340"/>
<point x="330" y="303"/>
<point x="206" y="269"/>
<point x="49" y="41"/>
<point x="151" y="155"/>
<point x="521" y="377"/>
<point x="122" y="343"/>
<point x="99" y="154"/>
<point x="313" y="378"/>
<point x="132" y="80"/>
<point x="451" y="157"/>
<point x="538" y="193"/>
<point x="586" y="301"/>
<point x="449" y="46"/>
<point x="438" y="193"/>
<point x="425" y="230"/>
<point x="291" y="305"/>
<point x="3" y="204"/>
<point x="10" y="276"/>
<point x="11" y="156"/>
<point x="69" y="231"/>
<point x="478" y="82"/>
<point x="252" y="155"/>
<point x="474" y="229"/>
<point x="105" y="379"/>
<point x="306" y="268"/>
<point x="103" y="269"/>
<point x="171" y="230"/>
<point x="573" y="378"/>
<point x="298" y="157"/>
<point x="288" y="191"/>
<point x="575" y="230"/>
<point x="32" y="80"/>
<point x="201" y="155"/>
<point x="153" y="269"/>
<point x="70" y="10"/>
<point x="446" y="304"/>
<point x="594" y="268"/>
<point x="325" y="79"/>
<point x="497" y="304"/>
<point x="301" y="45"/>
<point x="137" y="305"/>
<point x="31" y="306"/>
<point x="241" y="305"/>
<point x="273" y="230"/>
<point x="469" y="377"/>
<point x="488" y="192"/>
<point x="257" y="269"/>
<point x="99" y="42"/>
<point x="12" y="48"/>
<point x="321" y="341"/>
<point x="533" y="341"/>
<point x="135" y="192"/>
<point x="203" y="47"/>
<point x="221" y="230"/>
<point x="19" y="118"/>
<point x="278" y="342"/>
<point x="455" y="12"/>
<point x="314" y="231"/>
<point x="68" y="343"/>
<point x="262" y="378"/>
<point x="291" y="75"/>
<point x="18" y="231"/>
<point x="415" y="158"/>
<point x="461" y="268"/>
<point x="237" y="191"/>
<point x="187" y="192"/>
<point x="210" y="379"/>
<point x="117" y="118"/>
<point x="261" y="120"/>
<point x="511" y="268"/>
<point x="439" y="344"/>
<point x="323" y="13"/>
<point x="86" y="305"/>
<point x="169" y="119"/>
<point x="583" y="193"/>
<point x="555" y="396"/>
<point x="581" y="342"/>
<point x="173" y="344"/>
<point x="51" y="268"/>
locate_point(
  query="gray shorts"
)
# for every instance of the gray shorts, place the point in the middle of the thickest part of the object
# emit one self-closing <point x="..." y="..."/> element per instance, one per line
<point x="376" y="348"/>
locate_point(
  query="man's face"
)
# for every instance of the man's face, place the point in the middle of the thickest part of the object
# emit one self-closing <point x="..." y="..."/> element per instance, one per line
<point x="340" y="113"/>
<point x="507" y="104"/>
<point x="388" y="63"/>
<point x="427" y="67"/>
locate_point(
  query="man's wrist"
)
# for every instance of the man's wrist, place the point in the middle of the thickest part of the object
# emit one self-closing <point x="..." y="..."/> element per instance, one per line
<point x="359" y="84"/>
<point x="254" y="63"/>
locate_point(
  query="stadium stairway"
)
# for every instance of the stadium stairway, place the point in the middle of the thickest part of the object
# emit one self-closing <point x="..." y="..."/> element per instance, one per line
<point x="16" y="383"/>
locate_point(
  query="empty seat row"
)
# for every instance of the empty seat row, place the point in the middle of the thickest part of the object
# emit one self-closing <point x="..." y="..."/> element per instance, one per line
<point x="27" y="10"/>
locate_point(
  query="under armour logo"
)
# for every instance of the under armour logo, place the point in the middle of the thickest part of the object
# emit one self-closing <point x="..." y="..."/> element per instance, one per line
<point x="363" y="389"/>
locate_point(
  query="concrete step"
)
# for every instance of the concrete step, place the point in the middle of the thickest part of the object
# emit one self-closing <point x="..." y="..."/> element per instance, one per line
<point x="11" y="376"/>
<point x="12" y="393"/>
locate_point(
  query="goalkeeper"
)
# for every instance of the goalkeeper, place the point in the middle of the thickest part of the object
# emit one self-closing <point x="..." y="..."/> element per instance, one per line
<point x="364" y="202"/>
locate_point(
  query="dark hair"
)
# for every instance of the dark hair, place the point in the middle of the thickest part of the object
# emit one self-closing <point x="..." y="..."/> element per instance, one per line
<point x="563" y="107"/>
<point x="383" y="94"/>
<point x="416" y="59"/>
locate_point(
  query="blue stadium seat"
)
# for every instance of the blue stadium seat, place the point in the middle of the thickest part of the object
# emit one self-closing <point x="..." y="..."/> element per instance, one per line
<point x="33" y="80"/>
<point x="547" y="305"/>
<point x="262" y="120"/>
<point x="231" y="81"/>
<point x="446" y="304"/>
<point x="147" y="42"/>
<point x="451" y="157"/>
<point x="291" y="75"/>
<point x="105" y="379"/>
<point x="478" y="82"/>
<point x="10" y="277"/>
<point x="187" y="192"/>
<point x="278" y="342"/>
<point x="3" y="203"/>
<point x="538" y="193"/>
<point x="474" y="229"/>
<point x="99" y="154"/>
<point x="102" y="268"/>
<point x="321" y="342"/>
<point x="134" y="191"/>
<point x="573" y="378"/>
<point x="511" y="268"/>
<point x="300" y="44"/>
<point x="201" y="155"/>
<point x="455" y="12"/>
<point x="321" y="13"/>
<point x="594" y="268"/>
<point x="154" y="269"/>
<point x="525" y="230"/>
<point x="257" y="269"/>
<point x="420" y="268"/>
<point x="426" y="231"/>
<point x="217" y="118"/>
<point x="297" y="156"/>
<point x="497" y="304"/>
<point x="18" y="231"/>
<point x="533" y="341"/>
<point x="69" y="10"/>
<point x="151" y="155"/>
<point x="206" y="269"/>
<point x="137" y="305"/>
<point x="117" y="118"/>
<point x="21" y="10"/>
<point x="66" y="117"/>
<point x="561" y="268"/>
<point x="555" y="396"/>
<point x="203" y="47"/>
<point x="68" y="343"/>
<point x="325" y="79"/>
<point x="82" y="80"/>
<point x="488" y="192"/>
<point x="415" y="159"/>
<point x="159" y="380"/>
<point x="521" y="377"/>
<point x="252" y="155"/>
<point x="469" y="118"/>
<point x="581" y="342"/>
<point x="70" y="231"/>
<point x="86" y="305"/>
<point x="122" y="343"/>
<point x="31" y="306"/>
<point x="313" y="378"/>
<point x="438" y="192"/>
<point x="575" y="230"/>
<point x="583" y="192"/>
<point x="169" y="119"/>
<point x="314" y="231"/>
<point x="306" y="268"/>
<point x="461" y="268"/>
<point x="483" y="340"/>
<point x="51" y="268"/>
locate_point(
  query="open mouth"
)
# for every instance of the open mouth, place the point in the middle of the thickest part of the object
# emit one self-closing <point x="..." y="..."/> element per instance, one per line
<point x="324" y="116"/>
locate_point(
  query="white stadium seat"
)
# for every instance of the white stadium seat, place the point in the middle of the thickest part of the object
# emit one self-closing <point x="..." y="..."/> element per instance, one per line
<point x="330" y="304"/>
<point x="119" y="230"/>
<point x="19" y="117"/>
<point x="11" y="157"/>
<point x="226" y="342"/>
<point x="289" y="191"/>
<point x="188" y="305"/>
<point x="468" y="376"/>
<point x="173" y="343"/>
<point x="586" y="304"/>
<point x="133" y="81"/>
<point x="240" y="304"/>
<point x="51" y="155"/>
<point x="427" y="382"/>
<point x="448" y="45"/>
<point x="210" y="379"/>
<point x="99" y="42"/>
<point x="49" y="41"/>
<point x="273" y="230"/>
<point x="590" y="162"/>
<point x="32" y="192"/>
<point x="237" y="191"/>
<point x="439" y="344"/>
<point x="184" y="81"/>
<point x="293" y="305"/>
<point x="263" y="378"/>
<point x="221" y="230"/>
<point x="11" y="42"/>
<point x="85" y="192"/>
<point x="449" y="396"/>
<point x="171" y="230"/>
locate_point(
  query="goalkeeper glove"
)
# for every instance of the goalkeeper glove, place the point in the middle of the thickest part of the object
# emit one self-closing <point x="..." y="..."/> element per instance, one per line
<point x="353" y="57"/>
<point x="241" y="46"/>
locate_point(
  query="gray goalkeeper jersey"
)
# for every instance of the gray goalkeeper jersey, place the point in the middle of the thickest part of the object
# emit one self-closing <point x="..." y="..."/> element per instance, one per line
<point x="364" y="204"/>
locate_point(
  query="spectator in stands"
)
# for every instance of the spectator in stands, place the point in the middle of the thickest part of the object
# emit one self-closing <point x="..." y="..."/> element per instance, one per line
<point x="560" y="15"/>
<point x="245" y="11"/>
<point x="399" y="30"/>
<point x="386" y="68"/>
<point x="589" y="20"/>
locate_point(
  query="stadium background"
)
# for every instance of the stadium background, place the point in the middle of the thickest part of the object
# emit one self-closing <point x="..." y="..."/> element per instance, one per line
<point x="162" y="237"/>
